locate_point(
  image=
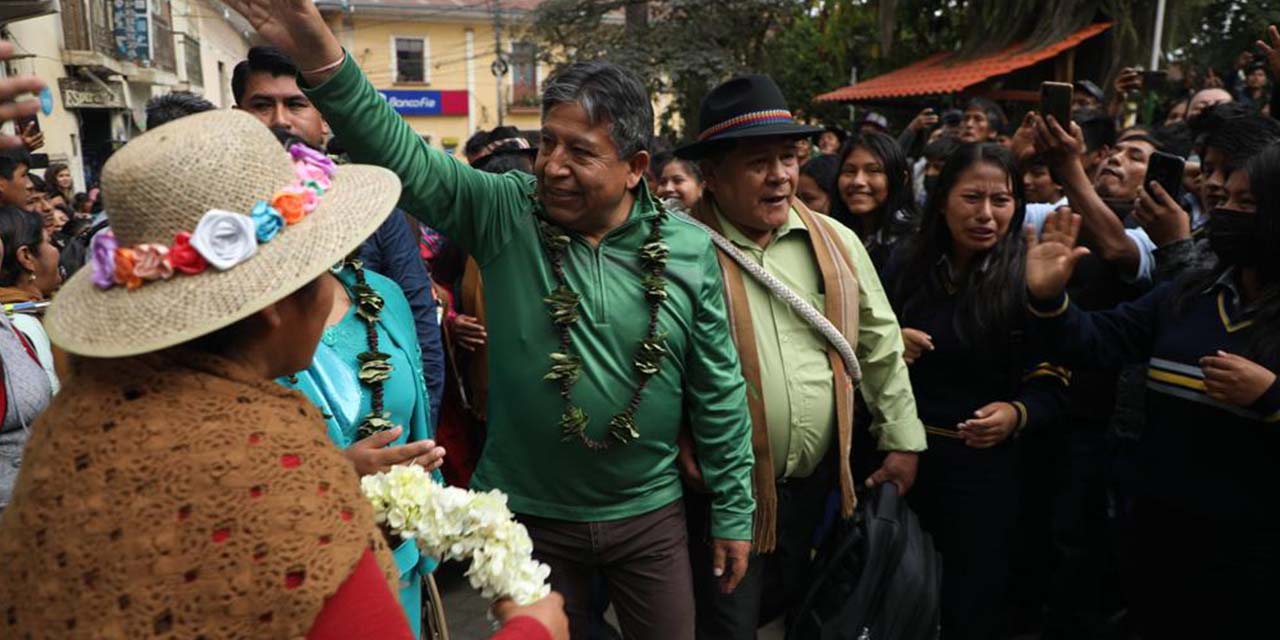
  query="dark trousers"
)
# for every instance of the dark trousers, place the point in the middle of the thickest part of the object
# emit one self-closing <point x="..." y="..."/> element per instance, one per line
<point x="1083" y="590"/>
<point x="644" y="560"/>
<point x="968" y="499"/>
<point x="775" y="582"/>
<point x="1193" y="577"/>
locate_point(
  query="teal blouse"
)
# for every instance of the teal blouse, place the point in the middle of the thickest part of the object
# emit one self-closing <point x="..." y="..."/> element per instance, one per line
<point x="332" y="384"/>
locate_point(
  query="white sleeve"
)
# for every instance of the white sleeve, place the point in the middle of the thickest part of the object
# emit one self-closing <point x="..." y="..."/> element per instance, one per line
<point x="1146" y="257"/>
<point x="1037" y="213"/>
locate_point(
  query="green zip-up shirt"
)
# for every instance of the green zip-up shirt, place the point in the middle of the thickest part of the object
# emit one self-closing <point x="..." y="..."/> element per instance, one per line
<point x="700" y="383"/>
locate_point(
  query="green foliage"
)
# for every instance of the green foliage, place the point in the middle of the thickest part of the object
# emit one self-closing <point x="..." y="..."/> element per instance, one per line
<point x="1219" y="31"/>
<point x="686" y="47"/>
<point x="810" y="46"/>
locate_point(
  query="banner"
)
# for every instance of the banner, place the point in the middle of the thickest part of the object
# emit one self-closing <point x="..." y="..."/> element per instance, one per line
<point x="131" y="29"/>
<point x="426" y="103"/>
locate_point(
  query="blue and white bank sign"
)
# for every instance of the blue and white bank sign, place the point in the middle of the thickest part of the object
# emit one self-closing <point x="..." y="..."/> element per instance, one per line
<point x="426" y="103"/>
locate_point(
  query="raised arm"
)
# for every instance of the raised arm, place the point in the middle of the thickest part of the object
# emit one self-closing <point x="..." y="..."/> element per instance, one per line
<point x="1062" y="151"/>
<point x="475" y="209"/>
<point x="1064" y="333"/>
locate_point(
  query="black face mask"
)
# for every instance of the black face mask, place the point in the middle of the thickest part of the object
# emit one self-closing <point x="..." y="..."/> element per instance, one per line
<point x="1234" y="235"/>
<point x="930" y="184"/>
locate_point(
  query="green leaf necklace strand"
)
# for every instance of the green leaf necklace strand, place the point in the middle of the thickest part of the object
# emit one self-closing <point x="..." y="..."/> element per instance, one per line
<point x="562" y="305"/>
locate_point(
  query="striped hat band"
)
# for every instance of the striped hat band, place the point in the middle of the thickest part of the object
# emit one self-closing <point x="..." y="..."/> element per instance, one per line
<point x="746" y="121"/>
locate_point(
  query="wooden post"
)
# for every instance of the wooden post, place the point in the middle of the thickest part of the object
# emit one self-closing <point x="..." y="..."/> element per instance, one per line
<point x="1064" y="66"/>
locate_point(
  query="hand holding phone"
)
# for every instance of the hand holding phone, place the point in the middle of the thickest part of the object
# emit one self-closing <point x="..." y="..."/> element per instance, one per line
<point x="28" y="128"/>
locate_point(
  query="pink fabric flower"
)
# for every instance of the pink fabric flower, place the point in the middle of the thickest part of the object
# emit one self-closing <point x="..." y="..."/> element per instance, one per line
<point x="311" y="173"/>
<point x="304" y="154"/>
<point x="152" y="262"/>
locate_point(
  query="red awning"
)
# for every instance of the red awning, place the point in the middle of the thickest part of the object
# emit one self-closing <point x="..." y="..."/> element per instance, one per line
<point x="937" y="75"/>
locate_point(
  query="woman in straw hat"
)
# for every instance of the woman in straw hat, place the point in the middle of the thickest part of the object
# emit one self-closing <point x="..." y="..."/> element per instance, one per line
<point x="174" y="489"/>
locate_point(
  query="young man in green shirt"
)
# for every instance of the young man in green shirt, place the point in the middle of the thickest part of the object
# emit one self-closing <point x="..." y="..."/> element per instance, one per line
<point x="802" y="414"/>
<point x="607" y="329"/>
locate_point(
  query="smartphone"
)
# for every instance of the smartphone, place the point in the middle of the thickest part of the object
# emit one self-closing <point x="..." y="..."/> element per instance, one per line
<point x="20" y="124"/>
<point x="1055" y="100"/>
<point x="1166" y="169"/>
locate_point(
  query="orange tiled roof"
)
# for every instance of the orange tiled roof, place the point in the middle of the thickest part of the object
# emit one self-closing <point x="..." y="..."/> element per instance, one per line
<point x="935" y="75"/>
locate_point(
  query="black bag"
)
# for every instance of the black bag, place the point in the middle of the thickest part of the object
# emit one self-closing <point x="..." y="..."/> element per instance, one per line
<point x="876" y="576"/>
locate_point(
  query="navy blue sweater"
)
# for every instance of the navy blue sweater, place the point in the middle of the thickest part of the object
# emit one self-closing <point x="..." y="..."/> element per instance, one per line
<point x="960" y="376"/>
<point x="1204" y="456"/>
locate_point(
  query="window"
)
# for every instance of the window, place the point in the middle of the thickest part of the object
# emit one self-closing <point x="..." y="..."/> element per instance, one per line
<point x="411" y="59"/>
<point x="524" y="74"/>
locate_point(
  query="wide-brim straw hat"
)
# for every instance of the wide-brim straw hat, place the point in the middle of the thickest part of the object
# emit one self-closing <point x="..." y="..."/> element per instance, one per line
<point x="161" y="184"/>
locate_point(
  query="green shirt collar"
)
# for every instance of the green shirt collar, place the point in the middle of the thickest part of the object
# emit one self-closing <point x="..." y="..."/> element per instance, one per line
<point x="793" y="223"/>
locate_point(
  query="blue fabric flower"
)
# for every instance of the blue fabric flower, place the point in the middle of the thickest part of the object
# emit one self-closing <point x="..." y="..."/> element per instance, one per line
<point x="267" y="222"/>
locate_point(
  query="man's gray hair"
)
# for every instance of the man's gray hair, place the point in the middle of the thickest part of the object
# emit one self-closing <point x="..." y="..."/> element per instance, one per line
<point x="608" y="93"/>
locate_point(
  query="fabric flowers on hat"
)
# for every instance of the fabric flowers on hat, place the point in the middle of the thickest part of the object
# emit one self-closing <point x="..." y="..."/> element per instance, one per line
<point x="124" y="262"/>
<point x="267" y="222"/>
<point x="224" y="238"/>
<point x="184" y="257"/>
<point x="151" y="262"/>
<point x="102" y="249"/>
<point x="292" y="204"/>
<point x="303" y="154"/>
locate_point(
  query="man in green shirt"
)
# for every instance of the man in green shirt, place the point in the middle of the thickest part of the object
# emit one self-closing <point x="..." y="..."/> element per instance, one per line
<point x="803" y="411"/>
<point x="607" y="329"/>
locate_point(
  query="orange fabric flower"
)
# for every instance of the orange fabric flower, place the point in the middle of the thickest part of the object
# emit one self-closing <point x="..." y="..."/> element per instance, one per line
<point x="126" y="275"/>
<point x="292" y="206"/>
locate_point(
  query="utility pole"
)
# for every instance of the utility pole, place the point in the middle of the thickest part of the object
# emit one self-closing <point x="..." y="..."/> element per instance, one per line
<point x="1157" y="36"/>
<point x="499" y="67"/>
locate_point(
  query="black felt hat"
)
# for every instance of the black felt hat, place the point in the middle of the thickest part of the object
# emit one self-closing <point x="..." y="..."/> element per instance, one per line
<point x="744" y="107"/>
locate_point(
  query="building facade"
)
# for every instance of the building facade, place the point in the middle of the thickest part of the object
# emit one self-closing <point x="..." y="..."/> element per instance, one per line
<point x="437" y="62"/>
<point x="103" y="59"/>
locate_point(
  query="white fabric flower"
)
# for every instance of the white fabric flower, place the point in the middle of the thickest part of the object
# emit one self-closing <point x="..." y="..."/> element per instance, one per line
<point x="454" y="524"/>
<point x="225" y="239"/>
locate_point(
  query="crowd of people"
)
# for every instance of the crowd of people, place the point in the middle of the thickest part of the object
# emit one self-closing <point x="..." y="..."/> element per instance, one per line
<point x="1065" y="365"/>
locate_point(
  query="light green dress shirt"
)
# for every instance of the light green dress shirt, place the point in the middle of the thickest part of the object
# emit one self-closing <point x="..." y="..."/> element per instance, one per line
<point x="799" y="391"/>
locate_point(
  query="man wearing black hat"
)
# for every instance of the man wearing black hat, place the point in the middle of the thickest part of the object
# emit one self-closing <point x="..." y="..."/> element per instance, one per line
<point x="802" y="412"/>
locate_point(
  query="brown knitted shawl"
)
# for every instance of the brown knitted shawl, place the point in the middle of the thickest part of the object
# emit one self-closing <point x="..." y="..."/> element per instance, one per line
<point x="173" y="496"/>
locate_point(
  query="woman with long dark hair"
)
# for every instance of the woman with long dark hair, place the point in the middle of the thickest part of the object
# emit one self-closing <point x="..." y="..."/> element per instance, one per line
<point x="58" y="181"/>
<point x="957" y="288"/>
<point x="1204" y="547"/>
<point x="873" y="193"/>
<point x="29" y="274"/>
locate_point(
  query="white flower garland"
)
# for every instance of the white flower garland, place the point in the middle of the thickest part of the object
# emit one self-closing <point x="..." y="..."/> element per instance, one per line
<point x="455" y="523"/>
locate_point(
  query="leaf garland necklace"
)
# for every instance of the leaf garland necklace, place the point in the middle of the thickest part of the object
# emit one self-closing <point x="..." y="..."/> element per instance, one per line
<point x="562" y="305"/>
<point x="375" y="366"/>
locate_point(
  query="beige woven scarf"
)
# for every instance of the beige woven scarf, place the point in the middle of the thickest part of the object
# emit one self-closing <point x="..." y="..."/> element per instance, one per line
<point x="841" y="309"/>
